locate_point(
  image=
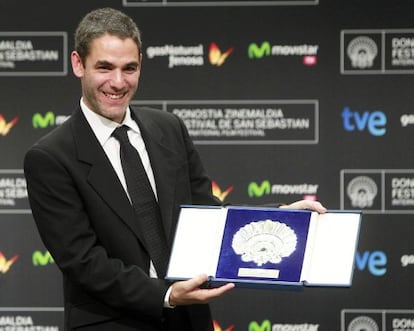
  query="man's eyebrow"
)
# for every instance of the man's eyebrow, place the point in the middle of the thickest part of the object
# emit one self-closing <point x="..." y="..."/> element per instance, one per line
<point x="134" y="64"/>
<point x="103" y="63"/>
<point x="109" y="64"/>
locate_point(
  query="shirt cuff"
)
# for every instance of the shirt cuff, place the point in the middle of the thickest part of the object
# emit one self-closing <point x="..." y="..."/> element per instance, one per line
<point x="167" y="299"/>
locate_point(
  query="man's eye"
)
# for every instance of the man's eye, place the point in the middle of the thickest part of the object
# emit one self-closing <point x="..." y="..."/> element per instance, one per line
<point x="131" y="69"/>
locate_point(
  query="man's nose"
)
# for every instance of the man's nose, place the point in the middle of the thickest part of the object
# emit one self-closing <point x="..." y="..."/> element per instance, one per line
<point x="117" y="79"/>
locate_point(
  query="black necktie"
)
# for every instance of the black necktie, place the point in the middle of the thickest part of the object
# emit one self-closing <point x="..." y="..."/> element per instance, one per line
<point x="143" y="201"/>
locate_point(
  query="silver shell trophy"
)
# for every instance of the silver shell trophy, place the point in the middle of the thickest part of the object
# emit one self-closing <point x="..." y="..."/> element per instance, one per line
<point x="264" y="241"/>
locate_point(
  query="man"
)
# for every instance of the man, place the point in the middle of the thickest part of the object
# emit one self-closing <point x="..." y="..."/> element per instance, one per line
<point x="81" y="203"/>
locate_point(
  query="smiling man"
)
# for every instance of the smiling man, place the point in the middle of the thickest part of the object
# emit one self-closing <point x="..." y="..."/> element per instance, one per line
<point x="80" y="200"/>
<point x="86" y="213"/>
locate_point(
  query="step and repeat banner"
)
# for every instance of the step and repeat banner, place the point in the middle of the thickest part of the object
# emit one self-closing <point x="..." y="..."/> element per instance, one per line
<point x="284" y="99"/>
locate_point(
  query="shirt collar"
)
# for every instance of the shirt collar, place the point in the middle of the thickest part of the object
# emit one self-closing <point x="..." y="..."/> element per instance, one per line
<point x="103" y="127"/>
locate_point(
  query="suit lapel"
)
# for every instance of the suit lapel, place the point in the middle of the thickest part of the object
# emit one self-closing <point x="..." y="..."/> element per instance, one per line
<point x="101" y="175"/>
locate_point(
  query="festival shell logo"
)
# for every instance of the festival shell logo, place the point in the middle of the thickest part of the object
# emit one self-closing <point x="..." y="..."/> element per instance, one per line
<point x="264" y="241"/>
<point x="363" y="323"/>
<point x="362" y="191"/>
<point x="362" y="51"/>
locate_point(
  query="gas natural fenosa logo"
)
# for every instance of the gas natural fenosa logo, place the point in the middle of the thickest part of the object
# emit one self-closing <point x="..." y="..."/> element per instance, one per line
<point x="216" y="56"/>
<point x="5" y="264"/>
<point x="217" y="327"/>
<point x="217" y="192"/>
<point x="6" y="126"/>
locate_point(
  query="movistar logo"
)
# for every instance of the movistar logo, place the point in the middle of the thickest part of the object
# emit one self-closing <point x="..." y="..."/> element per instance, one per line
<point x="257" y="52"/>
<point x="255" y="190"/>
<point x="43" y="121"/>
<point x="265" y="326"/>
<point x="42" y="259"/>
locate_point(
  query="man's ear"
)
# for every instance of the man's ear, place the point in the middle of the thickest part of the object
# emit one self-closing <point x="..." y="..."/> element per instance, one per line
<point x="140" y="60"/>
<point x="77" y="65"/>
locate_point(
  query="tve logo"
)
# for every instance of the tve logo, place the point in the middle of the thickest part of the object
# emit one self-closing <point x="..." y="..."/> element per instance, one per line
<point x="374" y="121"/>
<point x="375" y="262"/>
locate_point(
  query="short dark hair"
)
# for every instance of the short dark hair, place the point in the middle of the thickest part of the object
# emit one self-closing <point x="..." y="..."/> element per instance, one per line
<point x="104" y="21"/>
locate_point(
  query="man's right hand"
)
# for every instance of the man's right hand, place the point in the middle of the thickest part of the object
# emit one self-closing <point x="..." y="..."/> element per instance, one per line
<point x="190" y="292"/>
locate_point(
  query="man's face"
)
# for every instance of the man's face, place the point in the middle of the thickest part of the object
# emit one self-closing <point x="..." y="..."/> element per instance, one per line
<point x="110" y="75"/>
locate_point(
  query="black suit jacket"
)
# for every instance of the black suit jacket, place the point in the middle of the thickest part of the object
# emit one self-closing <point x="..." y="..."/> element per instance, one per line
<point x="87" y="223"/>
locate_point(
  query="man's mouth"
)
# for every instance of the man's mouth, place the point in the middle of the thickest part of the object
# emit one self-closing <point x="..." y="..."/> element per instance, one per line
<point x="114" y="96"/>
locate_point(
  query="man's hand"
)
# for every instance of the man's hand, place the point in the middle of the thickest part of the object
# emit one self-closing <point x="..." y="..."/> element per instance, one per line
<point x="189" y="291"/>
<point x="306" y="204"/>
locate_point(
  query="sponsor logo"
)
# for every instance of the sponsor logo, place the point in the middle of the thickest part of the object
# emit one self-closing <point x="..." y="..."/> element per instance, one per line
<point x="5" y="263"/>
<point x="310" y="60"/>
<point x="267" y="326"/>
<point x="362" y="51"/>
<point x="47" y="120"/>
<point x="406" y="260"/>
<point x="307" y="52"/>
<point x="363" y="323"/>
<point x="217" y="327"/>
<point x="376" y="190"/>
<point x="217" y="57"/>
<point x="23" y="53"/>
<point x="402" y="191"/>
<point x="375" y="121"/>
<point x="407" y="119"/>
<point x="377" y="51"/>
<point x="362" y="191"/>
<point x="257" y="52"/>
<point x="42" y="259"/>
<point x="217" y="192"/>
<point x="44" y="121"/>
<point x="44" y="319"/>
<point x="178" y="55"/>
<point x="13" y="190"/>
<point x="246" y="121"/>
<point x="189" y="56"/>
<point x="402" y="50"/>
<point x="258" y="190"/>
<point x="6" y="126"/>
<point x="377" y="320"/>
<point x="375" y="262"/>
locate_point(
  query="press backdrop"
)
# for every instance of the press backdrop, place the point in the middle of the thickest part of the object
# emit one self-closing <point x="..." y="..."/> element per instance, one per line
<point x="284" y="99"/>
